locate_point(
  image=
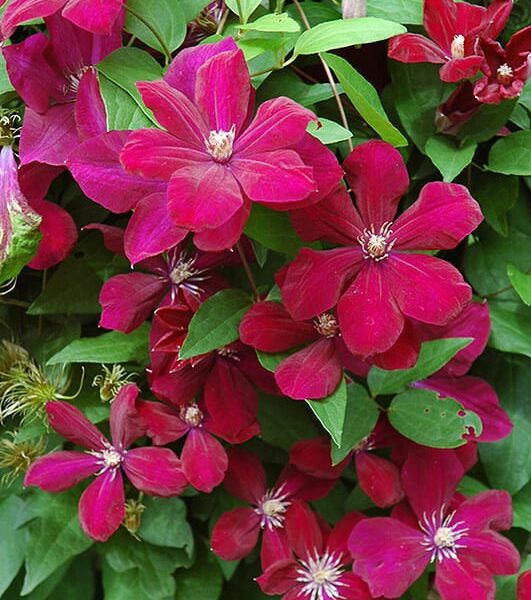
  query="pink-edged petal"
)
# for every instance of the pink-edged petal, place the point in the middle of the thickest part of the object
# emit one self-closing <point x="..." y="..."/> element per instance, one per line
<point x="388" y="555"/>
<point x="334" y="219"/>
<point x="225" y="236"/>
<point x="20" y="11"/>
<point x="275" y="546"/>
<point x="69" y="422"/>
<point x="232" y="403"/>
<point x="246" y="478"/>
<point x="415" y="48"/>
<point x="128" y="300"/>
<point x="378" y="177"/>
<point x="337" y="541"/>
<point x="313" y="372"/>
<point x="477" y="395"/>
<point x="96" y="167"/>
<point x="489" y="509"/>
<point x="443" y="215"/>
<point x="313" y="457"/>
<point x="235" y="534"/>
<point x="440" y="21"/>
<point x="204" y="460"/>
<point x="426" y="288"/>
<point x="305" y="536"/>
<point x="155" y="471"/>
<point x="404" y="353"/>
<point x="90" y="114"/>
<point x="59" y="235"/>
<point x="150" y="230"/>
<point x="203" y="197"/>
<point x="97" y="16"/>
<point x="59" y="471"/>
<point x="223" y="91"/>
<point x="102" y="506"/>
<point x="278" y="123"/>
<point x="125" y="422"/>
<point x="379" y="479"/>
<point x="162" y="422"/>
<point x="460" y="68"/>
<point x="492" y="550"/>
<point x="268" y="326"/>
<point x="464" y="580"/>
<point x="314" y="281"/>
<point x="49" y="138"/>
<point x="278" y="176"/>
<point x="369" y="318"/>
<point x="183" y="69"/>
<point x="281" y="578"/>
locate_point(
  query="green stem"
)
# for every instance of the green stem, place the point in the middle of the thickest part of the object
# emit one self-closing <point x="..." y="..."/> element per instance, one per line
<point x="156" y="34"/>
<point x="248" y="271"/>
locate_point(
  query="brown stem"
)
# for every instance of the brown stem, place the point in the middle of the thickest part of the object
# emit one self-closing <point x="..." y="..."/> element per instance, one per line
<point x="248" y="271"/>
<point x="505" y="289"/>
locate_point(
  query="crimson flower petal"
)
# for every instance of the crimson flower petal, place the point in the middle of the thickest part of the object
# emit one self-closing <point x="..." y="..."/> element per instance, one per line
<point x="90" y="114"/>
<point x="305" y="536"/>
<point x="227" y="234"/>
<point x="204" y="460"/>
<point x="379" y="479"/>
<point x="69" y="422"/>
<point x="113" y="237"/>
<point x="97" y="16"/>
<point x="493" y="551"/>
<point x="353" y="588"/>
<point x="275" y="546"/>
<point x="235" y="534"/>
<point x="489" y="509"/>
<point x="404" y="353"/>
<point x="464" y="579"/>
<point x="523" y="591"/>
<point x="59" y="471"/>
<point x="126" y="425"/>
<point x="246" y="478"/>
<point x="155" y="471"/>
<point x="440" y="21"/>
<point x="415" y="48"/>
<point x="313" y="457"/>
<point x="337" y="541"/>
<point x="163" y="423"/>
<point x="279" y="577"/>
<point x="460" y="68"/>
<point x="20" y="11"/>
<point x="102" y="506"/>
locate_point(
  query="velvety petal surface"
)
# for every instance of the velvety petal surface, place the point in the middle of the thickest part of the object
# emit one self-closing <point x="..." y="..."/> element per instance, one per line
<point x="379" y="479"/>
<point x="235" y="534"/>
<point x="415" y="48"/>
<point x="69" y="422"/>
<point x="59" y="471"/>
<point x="97" y="16"/>
<point x="246" y="478"/>
<point x="464" y="580"/>
<point x="155" y="471"/>
<point x="204" y="460"/>
<point x="20" y="11"/>
<point x="125" y="423"/>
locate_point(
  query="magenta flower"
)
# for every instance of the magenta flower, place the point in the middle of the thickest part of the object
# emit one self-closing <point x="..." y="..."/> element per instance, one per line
<point x="375" y="280"/>
<point x="506" y="70"/>
<point x="462" y="539"/>
<point x="155" y="471"/>
<point x="454" y="29"/>
<point x="56" y="79"/>
<point x="318" y="568"/>
<point x="458" y="108"/>
<point x="93" y="15"/>
<point x="236" y="532"/>
<point x="214" y="158"/>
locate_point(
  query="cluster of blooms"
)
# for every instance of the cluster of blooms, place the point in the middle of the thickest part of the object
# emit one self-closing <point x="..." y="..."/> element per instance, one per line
<point x="371" y="298"/>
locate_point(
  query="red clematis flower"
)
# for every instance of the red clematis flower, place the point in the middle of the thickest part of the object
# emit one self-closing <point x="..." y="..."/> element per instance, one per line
<point x="523" y="589"/>
<point x="56" y="79"/>
<point x="236" y="532"/>
<point x="319" y="565"/>
<point x="375" y="281"/>
<point x="214" y="158"/>
<point x="454" y="28"/>
<point x="506" y="70"/>
<point x="459" y="107"/>
<point x="155" y="471"/>
<point x="93" y="15"/>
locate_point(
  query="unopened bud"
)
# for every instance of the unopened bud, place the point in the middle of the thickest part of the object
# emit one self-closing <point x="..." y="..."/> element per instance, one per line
<point x="133" y="516"/>
<point x="354" y="9"/>
<point x="111" y="381"/>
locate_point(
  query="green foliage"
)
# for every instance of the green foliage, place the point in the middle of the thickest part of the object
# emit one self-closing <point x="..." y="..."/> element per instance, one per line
<point x="273" y="230"/>
<point x="449" y="158"/>
<point x="14" y="541"/>
<point x="331" y="412"/>
<point x="512" y="154"/>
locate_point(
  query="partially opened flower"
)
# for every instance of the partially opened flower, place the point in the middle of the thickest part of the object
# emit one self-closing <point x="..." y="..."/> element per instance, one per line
<point x="319" y="567"/>
<point x="377" y="281"/>
<point x="236" y="532"/>
<point x="215" y="158"/>
<point x="155" y="471"/>
<point x="506" y="69"/>
<point x="56" y="79"/>
<point x="462" y="538"/>
<point x="92" y="15"/>
<point x="457" y="109"/>
<point x="454" y="29"/>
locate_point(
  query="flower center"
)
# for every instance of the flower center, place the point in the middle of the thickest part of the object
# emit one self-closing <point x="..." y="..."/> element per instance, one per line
<point x="272" y="507"/>
<point x="377" y="245"/>
<point x="326" y="325"/>
<point x="457" y="46"/>
<point x="504" y="74"/>
<point x="228" y="352"/>
<point x="110" y="458"/>
<point x="441" y="536"/>
<point x="319" y="575"/>
<point x="182" y="273"/>
<point x="219" y="144"/>
<point x="191" y="415"/>
<point x="73" y="80"/>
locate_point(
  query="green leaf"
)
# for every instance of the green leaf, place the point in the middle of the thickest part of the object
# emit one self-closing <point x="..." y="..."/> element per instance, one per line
<point x="192" y="8"/>
<point x="520" y="117"/>
<point x="510" y="327"/>
<point x="248" y="7"/>
<point x="449" y="158"/>
<point x="203" y="581"/>
<point x="507" y="463"/>
<point x="423" y="417"/>
<point x="282" y="23"/>
<point x="365" y="99"/>
<point x="273" y="230"/>
<point x="78" y="582"/>
<point x="216" y="323"/>
<point x="270" y="362"/>
<point x="14" y="541"/>
<point x="286" y="83"/>
<point x="408" y="12"/>
<point x="122" y="69"/>
<point x="487" y="121"/>
<point x="55" y="538"/>
<point x="343" y="33"/>
<point x="328" y="132"/>
<point x="112" y="347"/>
<point x="5" y="83"/>
<point x="522" y="508"/>
<point x="164" y="16"/>
<point x="496" y="195"/>
<point x="433" y="356"/>
<point x="521" y="282"/>
<point x="164" y="524"/>
<point x="360" y="418"/>
<point x="417" y="90"/>
<point x="512" y="154"/>
<point x="331" y="412"/>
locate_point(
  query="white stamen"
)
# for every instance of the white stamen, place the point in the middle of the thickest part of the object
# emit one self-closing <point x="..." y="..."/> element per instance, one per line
<point x="219" y="144"/>
<point x="110" y="458"/>
<point x="191" y="415"/>
<point x="457" y="46"/>
<point x="442" y="536"/>
<point x="183" y="274"/>
<point x="504" y="74"/>
<point x="377" y="245"/>
<point x="326" y="325"/>
<point x="272" y="507"/>
<point x="320" y="574"/>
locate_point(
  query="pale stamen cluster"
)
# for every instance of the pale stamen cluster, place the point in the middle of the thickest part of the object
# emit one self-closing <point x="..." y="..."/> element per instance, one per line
<point x="272" y="508"/>
<point x="377" y="245"/>
<point x="109" y="458"/>
<point x="457" y="47"/>
<point x="183" y="274"/>
<point x="320" y="574"/>
<point x="327" y="325"/>
<point x="504" y="74"/>
<point x="191" y="415"/>
<point x="442" y="537"/>
<point x="219" y="144"/>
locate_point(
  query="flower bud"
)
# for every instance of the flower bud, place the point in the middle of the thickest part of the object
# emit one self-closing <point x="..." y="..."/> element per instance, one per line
<point x="111" y="381"/>
<point x="133" y="516"/>
<point x="354" y="9"/>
